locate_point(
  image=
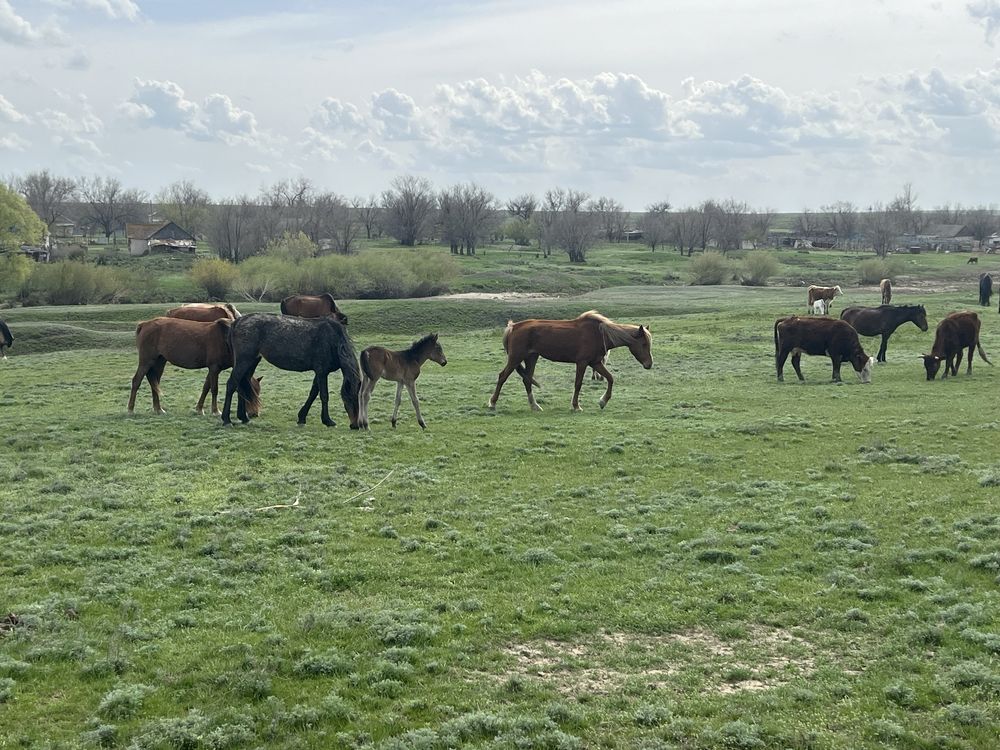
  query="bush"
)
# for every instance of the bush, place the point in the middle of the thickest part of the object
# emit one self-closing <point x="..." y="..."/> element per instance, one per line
<point x="294" y="247"/>
<point x="518" y="231"/>
<point x="873" y="270"/>
<point x="217" y="277"/>
<point x="71" y="283"/>
<point x="15" y="270"/>
<point x="757" y="268"/>
<point x="709" y="268"/>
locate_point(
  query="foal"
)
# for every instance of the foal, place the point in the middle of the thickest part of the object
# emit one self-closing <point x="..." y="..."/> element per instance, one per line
<point x="402" y="367"/>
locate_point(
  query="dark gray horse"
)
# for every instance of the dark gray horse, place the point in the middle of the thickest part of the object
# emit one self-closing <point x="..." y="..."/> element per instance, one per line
<point x="298" y="344"/>
<point x="6" y="339"/>
<point x="985" y="289"/>
<point x="883" y="321"/>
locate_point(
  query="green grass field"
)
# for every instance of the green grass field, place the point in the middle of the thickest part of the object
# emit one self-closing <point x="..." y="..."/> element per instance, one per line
<point x="715" y="560"/>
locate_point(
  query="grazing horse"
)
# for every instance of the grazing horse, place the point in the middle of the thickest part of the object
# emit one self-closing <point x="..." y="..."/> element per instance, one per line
<point x="6" y="339"/>
<point x="206" y="312"/>
<point x="403" y="367"/>
<point x="298" y="344"/>
<point x="883" y="321"/>
<point x="584" y="341"/>
<point x="885" y="286"/>
<point x="189" y="344"/>
<point x="985" y="289"/>
<point x="310" y="306"/>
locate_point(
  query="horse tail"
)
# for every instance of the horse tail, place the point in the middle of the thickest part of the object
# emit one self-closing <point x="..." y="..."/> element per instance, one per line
<point x="506" y="333"/>
<point x="366" y="365"/>
<point x="348" y="359"/>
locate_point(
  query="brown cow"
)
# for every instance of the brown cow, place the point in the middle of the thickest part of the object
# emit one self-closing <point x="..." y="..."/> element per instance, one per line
<point x="205" y="312"/>
<point x="798" y="336"/>
<point x="822" y="292"/>
<point x="312" y="306"/>
<point x="958" y="331"/>
<point x="885" y="286"/>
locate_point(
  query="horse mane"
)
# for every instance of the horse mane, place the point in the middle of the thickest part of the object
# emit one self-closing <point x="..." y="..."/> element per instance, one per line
<point x="412" y="354"/>
<point x="615" y="334"/>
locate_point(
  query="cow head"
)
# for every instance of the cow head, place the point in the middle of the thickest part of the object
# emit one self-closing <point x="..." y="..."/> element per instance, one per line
<point x="865" y="373"/>
<point x="932" y="363"/>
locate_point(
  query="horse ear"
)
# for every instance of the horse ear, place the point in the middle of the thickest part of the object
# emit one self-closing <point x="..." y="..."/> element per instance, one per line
<point x="641" y="332"/>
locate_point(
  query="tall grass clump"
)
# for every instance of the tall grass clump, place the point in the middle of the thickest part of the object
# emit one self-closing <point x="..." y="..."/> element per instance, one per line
<point x="873" y="270"/>
<point x="217" y="277"/>
<point x="73" y="283"/>
<point x="757" y="268"/>
<point x="708" y="269"/>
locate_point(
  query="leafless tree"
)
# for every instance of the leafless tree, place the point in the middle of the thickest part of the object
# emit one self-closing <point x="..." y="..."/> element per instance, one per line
<point x="760" y="225"/>
<point x="732" y="218"/>
<point x="909" y="218"/>
<point x="806" y="223"/>
<point x="610" y="216"/>
<point x="949" y="214"/>
<point x="467" y="216"/>
<point x="655" y="224"/>
<point x="553" y="203"/>
<point x="881" y="228"/>
<point x="331" y="223"/>
<point x="231" y="230"/>
<point x="186" y="205"/>
<point x="842" y="220"/>
<point x="981" y="221"/>
<point x="573" y="227"/>
<point x="367" y="210"/>
<point x="686" y="227"/>
<point x="407" y="207"/>
<point x="109" y="205"/>
<point x="522" y="207"/>
<point x="706" y="214"/>
<point x="46" y="193"/>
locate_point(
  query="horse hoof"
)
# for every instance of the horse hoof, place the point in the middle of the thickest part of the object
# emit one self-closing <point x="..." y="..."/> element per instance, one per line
<point x="394" y="424"/>
<point x="491" y="406"/>
<point x="536" y="407"/>
<point x="422" y="425"/>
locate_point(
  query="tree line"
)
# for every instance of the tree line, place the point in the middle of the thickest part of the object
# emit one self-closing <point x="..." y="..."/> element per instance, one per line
<point x="464" y="216"/>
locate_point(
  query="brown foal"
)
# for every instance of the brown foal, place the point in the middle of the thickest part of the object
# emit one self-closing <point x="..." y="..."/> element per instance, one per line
<point x="401" y="366"/>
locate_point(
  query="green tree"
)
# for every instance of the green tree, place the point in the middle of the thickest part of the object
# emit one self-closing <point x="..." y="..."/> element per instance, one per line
<point x="19" y="225"/>
<point x="295" y="247"/>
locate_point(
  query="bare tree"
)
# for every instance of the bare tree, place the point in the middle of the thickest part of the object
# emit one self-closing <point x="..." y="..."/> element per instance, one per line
<point x="909" y="218"/>
<point x="806" y="223"/>
<point x="109" y="205"/>
<point x="982" y="222"/>
<point x="732" y="218"/>
<point x="186" y="205"/>
<point x="449" y="220"/>
<point x="842" y="220"/>
<point x="948" y="214"/>
<point x="881" y="228"/>
<point x="522" y="207"/>
<point x="686" y="229"/>
<point x="407" y="207"/>
<point x="574" y="227"/>
<point x="760" y="226"/>
<point x="45" y="193"/>
<point x="553" y="203"/>
<point x="367" y="210"/>
<point x="610" y="215"/>
<point x="655" y="224"/>
<point x="705" y="222"/>
<point x="231" y="231"/>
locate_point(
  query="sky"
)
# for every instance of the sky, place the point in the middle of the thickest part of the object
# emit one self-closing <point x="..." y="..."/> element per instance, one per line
<point x="784" y="104"/>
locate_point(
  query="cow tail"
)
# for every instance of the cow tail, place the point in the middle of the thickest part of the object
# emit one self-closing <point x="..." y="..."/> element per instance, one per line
<point x="983" y="354"/>
<point x="776" y="338"/>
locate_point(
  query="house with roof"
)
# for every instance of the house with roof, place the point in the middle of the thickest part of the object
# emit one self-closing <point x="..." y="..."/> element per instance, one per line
<point x="163" y="236"/>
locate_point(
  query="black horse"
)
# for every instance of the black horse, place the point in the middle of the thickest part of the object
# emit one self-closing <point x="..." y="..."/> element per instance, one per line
<point x="298" y="344"/>
<point x="985" y="289"/>
<point x="6" y="339"/>
<point x="883" y="321"/>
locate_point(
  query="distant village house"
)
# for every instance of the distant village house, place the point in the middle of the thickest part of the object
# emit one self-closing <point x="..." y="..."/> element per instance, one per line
<point x="163" y="236"/>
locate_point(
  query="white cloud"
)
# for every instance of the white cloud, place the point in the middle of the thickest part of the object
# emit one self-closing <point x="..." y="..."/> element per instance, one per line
<point x="321" y="145"/>
<point x="259" y="168"/>
<point x="397" y="116"/>
<point x="17" y="30"/>
<point x="12" y="142"/>
<point x="987" y="13"/>
<point x="333" y="114"/>
<point x="9" y="113"/>
<point x="111" y="8"/>
<point x="380" y="155"/>
<point x="78" y="60"/>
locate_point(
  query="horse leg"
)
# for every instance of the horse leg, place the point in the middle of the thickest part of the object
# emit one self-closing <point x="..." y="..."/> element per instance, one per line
<point x="241" y="372"/>
<point x="140" y="373"/>
<point x="153" y="376"/>
<point x="411" y="387"/>
<point x="527" y="377"/>
<point x="324" y="398"/>
<point x="367" y="386"/>
<point x="600" y="368"/>
<point x="214" y="375"/>
<point x="581" y="370"/>
<point x="199" y="408"/>
<point x="501" y="379"/>
<point x="313" y="392"/>
<point x="395" y="408"/>
<point x="881" y="349"/>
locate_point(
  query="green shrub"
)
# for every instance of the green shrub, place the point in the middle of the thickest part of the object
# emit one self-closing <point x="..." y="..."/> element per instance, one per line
<point x="293" y="247"/>
<point x="873" y="270"/>
<point x="217" y="277"/>
<point x="757" y="268"/>
<point x="518" y="231"/>
<point x="385" y="277"/>
<point x="15" y="270"/>
<point x="71" y="283"/>
<point x="709" y="268"/>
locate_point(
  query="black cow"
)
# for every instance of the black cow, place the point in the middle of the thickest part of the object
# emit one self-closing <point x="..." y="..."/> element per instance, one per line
<point x="836" y="338"/>
<point x="958" y="331"/>
<point x="985" y="289"/>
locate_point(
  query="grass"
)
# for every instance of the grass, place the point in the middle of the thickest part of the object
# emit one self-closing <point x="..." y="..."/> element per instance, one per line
<point x="715" y="560"/>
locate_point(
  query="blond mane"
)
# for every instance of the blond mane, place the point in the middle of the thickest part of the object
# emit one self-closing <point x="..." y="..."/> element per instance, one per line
<point x="615" y="334"/>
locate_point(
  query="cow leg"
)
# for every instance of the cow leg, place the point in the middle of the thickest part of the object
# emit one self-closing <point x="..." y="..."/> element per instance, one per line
<point x="797" y="364"/>
<point x="600" y="368"/>
<point x="501" y="379"/>
<point x="395" y="408"/>
<point x="972" y="350"/>
<point x="779" y="364"/>
<point x="411" y="387"/>
<point x="581" y="370"/>
<point x="527" y="377"/>
<point x="836" y="369"/>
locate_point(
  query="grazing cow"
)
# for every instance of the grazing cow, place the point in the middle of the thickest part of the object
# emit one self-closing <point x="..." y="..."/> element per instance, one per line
<point x="821" y="307"/>
<point x="310" y="306"/>
<point x="6" y="339"/>
<point x="205" y="312"/>
<point x="973" y="259"/>
<point x="822" y="292"/>
<point x="798" y="336"/>
<point x="985" y="289"/>
<point x="885" y="286"/>
<point x="958" y="331"/>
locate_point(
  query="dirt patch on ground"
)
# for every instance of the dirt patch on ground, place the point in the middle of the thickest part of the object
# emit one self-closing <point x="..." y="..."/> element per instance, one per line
<point x="607" y="662"/>
<point x="498" y="296"/>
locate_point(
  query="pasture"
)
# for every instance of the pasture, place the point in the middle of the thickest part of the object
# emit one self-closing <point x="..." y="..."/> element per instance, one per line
<point x="714" y="560"/>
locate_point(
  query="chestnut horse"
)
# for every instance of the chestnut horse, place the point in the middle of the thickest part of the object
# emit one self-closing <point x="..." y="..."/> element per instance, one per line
<point x="312" y="306"/>
<point x="206" y="312"/>
<point x="6" y="339"/>
<point x="585" y="341"/>
<point x="189" y="344"/>
<point x="401" y="366"/>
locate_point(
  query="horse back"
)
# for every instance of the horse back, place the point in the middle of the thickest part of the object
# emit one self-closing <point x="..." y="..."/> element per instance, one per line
<point x="577" y="340"/>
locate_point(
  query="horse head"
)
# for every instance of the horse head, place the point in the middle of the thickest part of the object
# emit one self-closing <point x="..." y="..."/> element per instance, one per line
<point x="437" y="353"/>
<point x="640" y="344"/>
<point x="920" y="318"/>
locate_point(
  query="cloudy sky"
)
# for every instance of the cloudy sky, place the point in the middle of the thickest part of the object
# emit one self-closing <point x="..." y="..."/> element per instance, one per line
<point x="782" y="103"/>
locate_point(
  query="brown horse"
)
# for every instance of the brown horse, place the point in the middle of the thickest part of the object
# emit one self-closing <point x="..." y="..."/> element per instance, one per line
<point x="584" y="341"/>
<point x="401" y="366"/>
<point x="206" y="312"/>
<point x="312" y="306"/>
<point x="6" y="339"/>
<point x="189" y="344"/>
<point x="885" y="286"/>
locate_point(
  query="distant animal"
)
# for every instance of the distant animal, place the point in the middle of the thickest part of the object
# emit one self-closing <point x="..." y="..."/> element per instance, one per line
<point x="958" y="331"/>
<point x="206" y="312"/>
<point x="883" y="321"/>
<point x="885" y="286"/>
<point x="821" y="307"/>
<point x="822" y="292"/>
<point x="836" y="338"/>
<point x="6" y="339"/>
<point x="298" y="344"/>
<point x="401" y="366"/>
<point x="985" y="289"/>
<point x="973" y="259"/>
<point x="312" y="306"/>
<point x="584" y="341"/>
<point x="189" y="344"/>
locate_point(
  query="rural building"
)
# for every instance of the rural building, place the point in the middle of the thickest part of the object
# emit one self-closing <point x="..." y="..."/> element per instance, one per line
<point x="942" y="238"/>
<point x="146" y="238"/>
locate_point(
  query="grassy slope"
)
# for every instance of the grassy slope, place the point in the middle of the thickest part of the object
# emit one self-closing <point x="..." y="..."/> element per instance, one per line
<point x="715" y="560"/>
